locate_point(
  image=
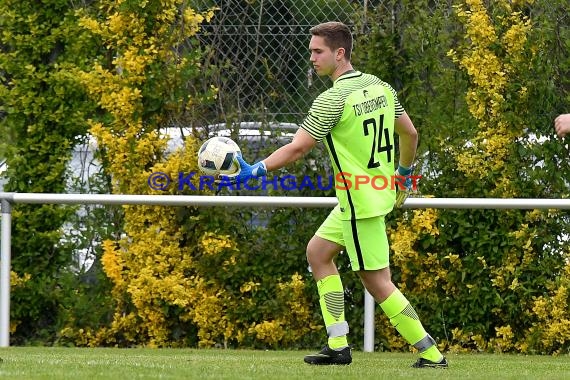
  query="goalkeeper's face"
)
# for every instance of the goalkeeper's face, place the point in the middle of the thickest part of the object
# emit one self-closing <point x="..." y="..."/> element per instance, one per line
<point x="323" y="58"/>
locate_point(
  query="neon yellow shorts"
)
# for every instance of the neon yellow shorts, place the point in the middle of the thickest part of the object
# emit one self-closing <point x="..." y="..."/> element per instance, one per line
<point x="365" y="240"/>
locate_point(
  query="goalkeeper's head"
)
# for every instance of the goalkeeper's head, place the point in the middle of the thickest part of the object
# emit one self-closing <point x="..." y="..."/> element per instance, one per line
<point x="336" y="36"/>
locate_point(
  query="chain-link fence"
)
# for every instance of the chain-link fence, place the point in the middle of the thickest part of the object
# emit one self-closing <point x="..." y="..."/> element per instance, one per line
<point x="261" y="50"/>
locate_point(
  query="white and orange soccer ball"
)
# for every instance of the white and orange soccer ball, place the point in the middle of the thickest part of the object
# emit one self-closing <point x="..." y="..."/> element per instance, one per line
<point x="217" y="156"/>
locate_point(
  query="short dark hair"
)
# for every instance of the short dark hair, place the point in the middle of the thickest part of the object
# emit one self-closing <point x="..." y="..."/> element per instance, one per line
<point x="336" y="35"/>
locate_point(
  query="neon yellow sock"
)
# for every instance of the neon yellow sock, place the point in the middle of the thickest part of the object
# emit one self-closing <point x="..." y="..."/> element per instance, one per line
<point x="331" y="299"/>
<point x="338" y="342"/>
<point x="432" y="354"/>
<point x="404" y="318"/>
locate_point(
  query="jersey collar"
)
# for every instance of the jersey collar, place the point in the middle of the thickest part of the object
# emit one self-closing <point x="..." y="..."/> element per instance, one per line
<point x="347" y="75"/>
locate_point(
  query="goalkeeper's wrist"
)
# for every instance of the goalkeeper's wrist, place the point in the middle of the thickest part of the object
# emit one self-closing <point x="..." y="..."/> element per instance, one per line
<point x="404" y="170"/>
<point x="259" y="169"/>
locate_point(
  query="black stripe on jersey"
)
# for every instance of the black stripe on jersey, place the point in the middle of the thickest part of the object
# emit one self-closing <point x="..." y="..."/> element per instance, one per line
<point x="352" y="210"/>
<point x="348" y="76"/>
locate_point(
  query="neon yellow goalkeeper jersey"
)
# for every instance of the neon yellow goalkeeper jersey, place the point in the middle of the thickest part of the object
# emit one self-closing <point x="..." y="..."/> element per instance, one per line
<point x="355" y="120"/>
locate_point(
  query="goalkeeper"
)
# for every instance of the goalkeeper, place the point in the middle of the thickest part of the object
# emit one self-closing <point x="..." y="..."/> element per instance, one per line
<point x="356" y="119"/>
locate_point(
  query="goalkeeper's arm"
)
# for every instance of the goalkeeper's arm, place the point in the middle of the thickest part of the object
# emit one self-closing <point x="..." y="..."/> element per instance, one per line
<point x="288" y="153"/>
<point x="408" y="137"/>
<point x="301" y="144"/>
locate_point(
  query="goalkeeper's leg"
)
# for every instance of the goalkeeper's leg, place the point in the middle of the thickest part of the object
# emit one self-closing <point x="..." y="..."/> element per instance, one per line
<point x="320" y="255"/>
<point x="331" y="300"/>
<point x="402" y="315"/>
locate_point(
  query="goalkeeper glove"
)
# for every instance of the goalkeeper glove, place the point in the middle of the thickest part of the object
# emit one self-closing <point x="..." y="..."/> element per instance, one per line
<point x="246" y="171"/>
<point x="403" y="184"/>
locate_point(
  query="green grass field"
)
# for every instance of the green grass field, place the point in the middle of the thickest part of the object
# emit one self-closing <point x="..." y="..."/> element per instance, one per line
<point x="107" y="363"/>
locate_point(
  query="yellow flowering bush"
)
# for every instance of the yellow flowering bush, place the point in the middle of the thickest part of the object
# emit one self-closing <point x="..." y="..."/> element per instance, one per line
<point x="296" y="311"/>
<point x="149" y="267"/>
<point x="405" y="254"/>
<point x="17" y="282"/>
<point x="495" y="265"/>
<point x="491" y="57"/>
<point x="551" y="312"/>
<point x="270" y="332"/>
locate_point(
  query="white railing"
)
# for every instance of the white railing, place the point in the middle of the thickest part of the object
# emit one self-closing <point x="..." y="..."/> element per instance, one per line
<point x="7" y="199"/>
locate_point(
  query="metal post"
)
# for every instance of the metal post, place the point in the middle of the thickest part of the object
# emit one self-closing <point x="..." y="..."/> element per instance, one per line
<point x="369" y="306"/>
<point x="5" y="274"/>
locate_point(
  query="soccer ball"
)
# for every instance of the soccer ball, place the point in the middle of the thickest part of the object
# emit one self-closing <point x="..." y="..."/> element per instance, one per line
<point x="218" y="156"/>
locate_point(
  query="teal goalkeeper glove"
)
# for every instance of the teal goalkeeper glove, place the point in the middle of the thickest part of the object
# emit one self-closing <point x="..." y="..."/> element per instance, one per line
<point x="403" y="184"/>
<point x="246" y="171"/>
